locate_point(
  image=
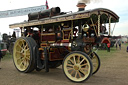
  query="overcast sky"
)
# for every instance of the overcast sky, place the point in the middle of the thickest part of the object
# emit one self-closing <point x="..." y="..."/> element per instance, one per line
<point x="120" y="7"/>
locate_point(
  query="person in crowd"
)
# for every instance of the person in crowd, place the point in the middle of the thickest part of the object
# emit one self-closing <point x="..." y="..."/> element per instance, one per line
<point x="127" y="49"/>
<point x="116" y="44"/>
<point x="0" y="58"/>
<point x="108" y="45"/>
<point x="119" y="43"/>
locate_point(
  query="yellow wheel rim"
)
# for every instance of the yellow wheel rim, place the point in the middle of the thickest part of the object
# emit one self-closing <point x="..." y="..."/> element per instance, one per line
<point x="21" y="54"/>
<point x="95" y="62"/>
<point x="76" y="67"/>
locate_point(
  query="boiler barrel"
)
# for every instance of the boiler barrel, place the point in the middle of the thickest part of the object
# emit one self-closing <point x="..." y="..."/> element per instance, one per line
<point x="43" y="14"/>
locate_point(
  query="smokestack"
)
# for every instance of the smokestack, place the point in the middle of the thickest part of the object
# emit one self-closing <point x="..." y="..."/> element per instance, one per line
<point x="82" y="3"/>
<point x="81" y="6"/>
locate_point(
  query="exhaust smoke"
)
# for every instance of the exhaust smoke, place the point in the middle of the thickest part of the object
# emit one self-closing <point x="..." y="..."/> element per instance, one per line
<point x="89" y="1"/>
<point x="82" y="3"/>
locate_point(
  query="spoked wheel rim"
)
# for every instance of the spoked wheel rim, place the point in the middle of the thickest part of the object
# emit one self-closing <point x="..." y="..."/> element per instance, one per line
<point x="21" y="55"/>
<point x="95" y="62"/>
<point x="77" y="67"/>
<point x="24" y="54"/>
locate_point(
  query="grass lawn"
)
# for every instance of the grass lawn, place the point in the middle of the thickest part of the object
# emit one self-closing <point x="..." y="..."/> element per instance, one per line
<point x="104" y="54"/>
<point x="7" y="56"/>
<point x="126" y="44"/>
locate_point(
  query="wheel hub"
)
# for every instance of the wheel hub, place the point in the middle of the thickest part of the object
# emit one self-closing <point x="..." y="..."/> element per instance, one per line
<point x="76" y="67"/>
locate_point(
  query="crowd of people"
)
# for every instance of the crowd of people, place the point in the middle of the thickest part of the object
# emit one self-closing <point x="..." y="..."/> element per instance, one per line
<point x="117" y="43"/>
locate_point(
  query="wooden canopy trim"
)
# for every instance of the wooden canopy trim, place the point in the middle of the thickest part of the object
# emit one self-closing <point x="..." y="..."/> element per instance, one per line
<point x="66" y="17"/>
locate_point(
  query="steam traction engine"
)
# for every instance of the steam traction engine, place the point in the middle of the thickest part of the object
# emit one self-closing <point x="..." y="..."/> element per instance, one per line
<point x="51" y="38"/>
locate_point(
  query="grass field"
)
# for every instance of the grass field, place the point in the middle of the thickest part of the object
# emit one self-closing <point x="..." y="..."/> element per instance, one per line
<point x="126" y="44"/>
<point x="7" y="56"/>
<point x="104" y="53"/>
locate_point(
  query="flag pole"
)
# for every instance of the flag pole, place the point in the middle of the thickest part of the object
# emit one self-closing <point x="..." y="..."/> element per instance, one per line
<point x="47" y="7"/>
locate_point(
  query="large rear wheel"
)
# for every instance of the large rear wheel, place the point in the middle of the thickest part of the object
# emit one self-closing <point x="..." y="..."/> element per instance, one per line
<point x="77" y="66"/>
<point x="23" y="54"/>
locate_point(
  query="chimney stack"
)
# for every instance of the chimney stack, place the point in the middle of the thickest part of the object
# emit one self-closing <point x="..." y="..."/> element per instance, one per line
<point x="81" y="6"/>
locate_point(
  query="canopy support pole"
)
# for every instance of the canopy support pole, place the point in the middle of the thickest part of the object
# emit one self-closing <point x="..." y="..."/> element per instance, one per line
<point x="98" y="25"/>
<point x="113" y="28"/>
<point x="41" y="31"/>
<point x="93" y="26"/>
<point x="72" y="30"/>
<point x="22" y="31"/>
<point x="109" y="25"/>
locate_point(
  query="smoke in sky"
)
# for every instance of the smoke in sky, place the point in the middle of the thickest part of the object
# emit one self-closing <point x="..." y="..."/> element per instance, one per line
<point x="89" y="1"/>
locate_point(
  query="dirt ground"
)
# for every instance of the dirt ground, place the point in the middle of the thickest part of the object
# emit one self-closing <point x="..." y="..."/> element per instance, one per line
<point x="113" y="71"/>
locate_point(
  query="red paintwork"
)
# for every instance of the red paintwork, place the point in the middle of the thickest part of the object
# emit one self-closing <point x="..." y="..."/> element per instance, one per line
<point x="105" y="40"/>
<point x="4" y="50"/>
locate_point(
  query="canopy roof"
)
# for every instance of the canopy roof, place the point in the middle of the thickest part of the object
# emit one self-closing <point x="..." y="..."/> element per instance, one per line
<point x="87" y="14"/>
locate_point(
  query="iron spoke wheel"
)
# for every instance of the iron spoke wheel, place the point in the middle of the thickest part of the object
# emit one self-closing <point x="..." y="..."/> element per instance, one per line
<point x="77" y="66"/>
<point x="23" y="54"/>
<point x="96" y="62"/>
